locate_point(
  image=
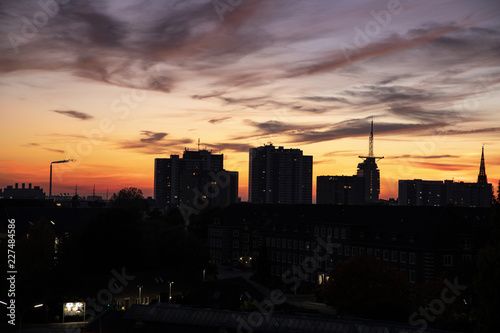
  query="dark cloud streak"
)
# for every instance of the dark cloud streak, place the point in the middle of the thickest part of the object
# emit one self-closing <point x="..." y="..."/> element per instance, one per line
<point x="74" y="114"/>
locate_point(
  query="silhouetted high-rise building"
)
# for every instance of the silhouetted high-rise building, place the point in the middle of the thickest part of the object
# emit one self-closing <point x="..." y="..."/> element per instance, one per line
<point x="368" y="170"/>
<point x="339" y="190"/>
<point x="199" y="175"/>
<point x="279" y="176"/>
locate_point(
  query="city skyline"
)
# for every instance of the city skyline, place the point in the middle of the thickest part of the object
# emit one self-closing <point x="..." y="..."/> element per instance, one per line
<point x="114" y="86"/>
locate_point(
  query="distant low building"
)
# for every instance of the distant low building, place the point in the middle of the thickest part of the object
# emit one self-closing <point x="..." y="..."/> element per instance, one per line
<point x="23" y="192"/>
<point x="339" y="190"/>
<point x="420" y="192"/>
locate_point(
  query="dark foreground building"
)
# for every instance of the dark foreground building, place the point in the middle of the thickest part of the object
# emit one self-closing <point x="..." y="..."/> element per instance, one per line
<point x="422" y="242"/>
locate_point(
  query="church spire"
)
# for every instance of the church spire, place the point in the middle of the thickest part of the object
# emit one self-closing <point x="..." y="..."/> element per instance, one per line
<point x="481" y="178"/>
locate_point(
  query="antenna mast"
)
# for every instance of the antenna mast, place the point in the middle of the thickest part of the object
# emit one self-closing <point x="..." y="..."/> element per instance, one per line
<point x="370" y="148"/>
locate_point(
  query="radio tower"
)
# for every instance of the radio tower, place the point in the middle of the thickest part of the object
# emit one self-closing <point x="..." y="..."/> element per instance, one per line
<point x="370" y="148"/>
<point x="481" y="178"/>
<point x="370" y="173"/>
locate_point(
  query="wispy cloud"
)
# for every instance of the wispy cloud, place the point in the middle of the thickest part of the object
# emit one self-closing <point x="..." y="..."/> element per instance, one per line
<point x="227" y="146"/>
<point x="152" y="137"/>
<point x="154" y="143"/>
<point x="492" y="130"/>
<point x="422" y="157"/>
<point x="443" y="166"/>
<point x="74" y="114"/>
<point x="55" y="150"/>
<point x="218" y="120"/>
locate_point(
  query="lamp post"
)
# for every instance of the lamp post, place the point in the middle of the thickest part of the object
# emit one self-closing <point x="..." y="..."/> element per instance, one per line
<point x="22" y="313"/>
<point x="140" y="293"/>
<point x="50" y="183"/>
<point x="170" y="290"/>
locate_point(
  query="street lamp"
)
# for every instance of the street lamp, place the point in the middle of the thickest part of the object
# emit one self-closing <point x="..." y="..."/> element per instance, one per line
<point x="22" y="313"/>
<point x="50" y="183"/>
<point x="170" y="290"/>
<point x="140" y="293"/>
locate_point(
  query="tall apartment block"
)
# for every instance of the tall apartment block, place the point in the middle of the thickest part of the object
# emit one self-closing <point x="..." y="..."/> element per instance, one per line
<point x="197" y="173"/>
<point x="279" y="176"/>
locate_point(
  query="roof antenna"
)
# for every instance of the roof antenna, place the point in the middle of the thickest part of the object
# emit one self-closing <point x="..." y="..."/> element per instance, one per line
<point x="198" y="144"/>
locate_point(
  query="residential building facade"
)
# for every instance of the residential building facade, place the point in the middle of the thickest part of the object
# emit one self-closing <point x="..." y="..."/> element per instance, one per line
<point x="279" y="176"/>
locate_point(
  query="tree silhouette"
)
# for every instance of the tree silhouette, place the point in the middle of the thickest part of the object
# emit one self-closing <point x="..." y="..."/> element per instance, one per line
<point x="129" y="198"/>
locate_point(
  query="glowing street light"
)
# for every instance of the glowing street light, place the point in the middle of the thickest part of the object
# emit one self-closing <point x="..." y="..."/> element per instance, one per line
<point x="170" y="290"/>
<point x="140" y="293"/>
<point x="50" y="183"/>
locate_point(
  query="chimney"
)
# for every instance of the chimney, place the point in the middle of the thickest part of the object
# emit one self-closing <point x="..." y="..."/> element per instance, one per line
<point x="17" y="186"/>
<point x="23" y="186"/>
<point x="29" y="186"/>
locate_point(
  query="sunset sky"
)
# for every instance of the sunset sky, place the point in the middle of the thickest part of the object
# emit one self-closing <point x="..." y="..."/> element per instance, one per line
<point x="115" y="84"/>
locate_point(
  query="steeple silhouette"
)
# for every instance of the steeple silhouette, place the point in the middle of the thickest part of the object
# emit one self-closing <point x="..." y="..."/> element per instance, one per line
<point x="481" y="178"/>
